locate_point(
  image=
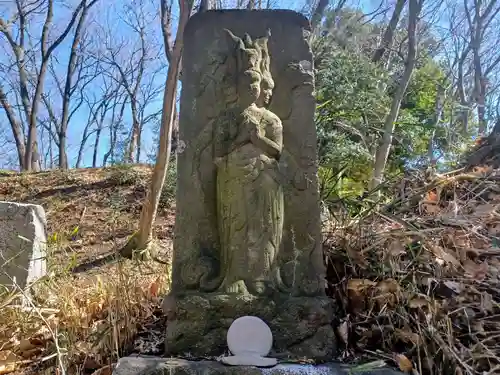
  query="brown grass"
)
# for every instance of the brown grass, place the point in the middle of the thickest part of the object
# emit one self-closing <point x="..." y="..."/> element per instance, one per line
<point x="94" y="306"/>
<point x="417" y="281"/>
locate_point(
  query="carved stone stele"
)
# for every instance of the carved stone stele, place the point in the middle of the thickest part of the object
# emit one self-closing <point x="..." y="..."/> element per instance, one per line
<point x="247" y="232"/>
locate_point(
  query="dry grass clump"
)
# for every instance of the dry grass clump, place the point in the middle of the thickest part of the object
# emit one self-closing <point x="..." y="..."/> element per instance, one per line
<point x="92" y="307"/>
<point x="419" y="281"/>
<point x="81" y="324"/>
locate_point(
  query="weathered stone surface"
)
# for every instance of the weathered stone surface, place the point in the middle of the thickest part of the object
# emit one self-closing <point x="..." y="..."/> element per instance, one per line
<point x="247" y="215"/>
<point x="248" y="232"/>
<point x="163" y="366"/>
<point x="22" y="243"/>
<point x="301" y="326"/>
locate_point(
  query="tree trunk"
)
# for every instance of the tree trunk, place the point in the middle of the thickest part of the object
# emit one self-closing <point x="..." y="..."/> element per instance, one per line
<point x="113" y="130"/>
<point x="464" y="110"/>
<point x="139" y="149"/>
<point x="68" y="86"/>
<point x="438" y="112"/>
<point x="134" y="135"/>
<point x="31" y="157"/>
<point x="389" y="32"/>
<point x="382" y="153"/>
<point x="63" y="157"/>
<point x="318" y="13"/>
<point x="144" y="235"/>
<point x="16" y="129"/>
<point x="96" y="147"/>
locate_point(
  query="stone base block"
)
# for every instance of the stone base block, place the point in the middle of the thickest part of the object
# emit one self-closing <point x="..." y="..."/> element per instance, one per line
<point x="163" y="366"/>
<point x="301" y="326"/>
<point x="22" y="244"/>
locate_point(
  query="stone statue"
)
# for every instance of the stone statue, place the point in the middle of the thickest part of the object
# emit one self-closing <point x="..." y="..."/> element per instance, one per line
<point x="249" y="194"/>
<point x="247" y="233"/>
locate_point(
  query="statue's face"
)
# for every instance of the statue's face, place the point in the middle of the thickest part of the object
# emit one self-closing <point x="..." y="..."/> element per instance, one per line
<point x="266" y="91"/>
<point x="266" y="95"/>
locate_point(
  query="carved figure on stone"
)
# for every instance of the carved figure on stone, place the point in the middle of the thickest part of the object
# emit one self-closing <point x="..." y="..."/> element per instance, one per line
<point x="249" y="194"/>
<point x="249" y="166"/>
<point x="248" y="231"/>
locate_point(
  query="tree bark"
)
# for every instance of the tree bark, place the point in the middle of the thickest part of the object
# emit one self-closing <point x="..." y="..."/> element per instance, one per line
<point x="318" y="13"/>
<point x="438" y="112"/>
<point x="389" y="32"/>
<point x="16" y="128"/>
<point x="487" y="152"/>
<point x="68" y="86"/>
<point x="144" y="235"/>
<point x="383" y="151"/>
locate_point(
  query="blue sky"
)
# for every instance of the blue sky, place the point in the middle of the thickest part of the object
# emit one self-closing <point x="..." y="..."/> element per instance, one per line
<point x="150" y="132"/>
<point x="111" y="17"/>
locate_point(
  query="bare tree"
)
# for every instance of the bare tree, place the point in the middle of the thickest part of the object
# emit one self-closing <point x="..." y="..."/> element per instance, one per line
<point x="99" y="107"/>
<point x="388" y="36"/>
<point x="480" y="15"/>
<point x="133" y="69"/>
<point x="383" y="150"/>
<point x="119" y="104"/>
<point x="144" y="235"/>
<point x="18" y="44"/>
<point x="15" y="126"/>
<point x="75" y="65"/>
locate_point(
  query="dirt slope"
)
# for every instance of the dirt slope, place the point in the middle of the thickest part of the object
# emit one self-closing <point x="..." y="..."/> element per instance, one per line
<point x="90" y="211"/>
<point x="93" y="306"/>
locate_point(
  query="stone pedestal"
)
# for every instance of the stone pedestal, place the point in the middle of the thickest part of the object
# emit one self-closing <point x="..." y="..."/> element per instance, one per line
<point x="164" y="366"/>
<point x="301" y="326"/>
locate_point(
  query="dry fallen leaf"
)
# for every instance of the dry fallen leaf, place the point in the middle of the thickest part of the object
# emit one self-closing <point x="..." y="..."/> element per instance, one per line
<point x="431" y="208"/>
<point x="440" y="253"/>
<point x="396" y="248"/>
<point x="357" y="291"/>
<point x="408" y="336"/>
<point x="107" y="370"/>
<point x="483" y="169"/>
<point x="343" y="331"/>
<point x="25" y="345"/>
<point x="432" y="196"/>
<point x="418" y="303"/>
<point x="359" y="285"/>
<point x="454" y="286"/>
<point x="403" y="362"/>
<point x="8" y="361"/>
<point x="154" y="287"/>
<point x="7" y="368"/>
<point x="388" y="286"/>
<point x="475" y="271"/>
<point x="387" y="292"/>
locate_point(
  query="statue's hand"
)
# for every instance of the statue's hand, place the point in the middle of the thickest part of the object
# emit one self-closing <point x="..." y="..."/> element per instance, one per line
<point x="218" y="160"/>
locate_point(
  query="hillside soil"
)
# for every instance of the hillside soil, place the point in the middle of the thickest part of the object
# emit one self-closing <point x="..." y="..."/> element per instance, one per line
<point x="90" y="214"/>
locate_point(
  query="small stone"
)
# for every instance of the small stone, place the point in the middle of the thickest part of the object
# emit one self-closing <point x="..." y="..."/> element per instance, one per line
<point x="249" y="339"/>
<point x="22" y="244"/>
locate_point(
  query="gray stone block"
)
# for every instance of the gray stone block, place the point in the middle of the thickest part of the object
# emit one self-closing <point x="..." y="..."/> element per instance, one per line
<point x="165" y="366"/>
<point x="22" y="244"/>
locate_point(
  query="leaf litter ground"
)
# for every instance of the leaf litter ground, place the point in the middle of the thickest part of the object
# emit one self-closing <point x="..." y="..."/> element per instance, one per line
<point x="418" y="281"/>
